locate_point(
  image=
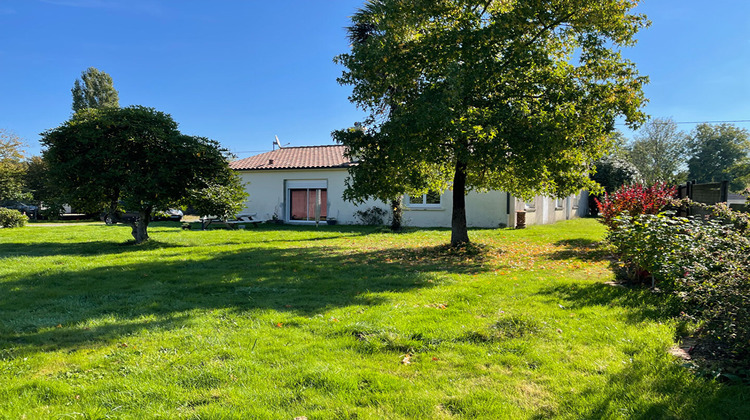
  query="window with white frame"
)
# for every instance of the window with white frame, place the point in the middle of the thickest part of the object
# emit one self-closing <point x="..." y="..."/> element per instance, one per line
<point x="559" y="203"/>
<point x="529" y="205"/>
<point x="429" y="200"/>
<point x="574" y="200"/>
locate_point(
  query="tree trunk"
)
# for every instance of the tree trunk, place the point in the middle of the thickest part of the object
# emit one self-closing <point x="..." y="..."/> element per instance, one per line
<point x="114" y="202"/>
<point x="397" y="209"/>
<point x="459" y="232"/>
<point x="111" y="217"/>
<point x="140" y="225"/>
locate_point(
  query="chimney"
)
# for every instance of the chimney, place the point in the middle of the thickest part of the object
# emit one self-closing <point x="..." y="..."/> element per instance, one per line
<point x="270" y="161"/>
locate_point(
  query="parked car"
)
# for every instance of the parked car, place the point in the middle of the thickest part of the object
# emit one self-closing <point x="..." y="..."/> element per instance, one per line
<point x="174" y="215"/>
<point x="30" y="210"/>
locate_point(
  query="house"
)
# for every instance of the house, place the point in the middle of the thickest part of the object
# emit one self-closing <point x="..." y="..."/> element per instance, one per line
<point x="288" y="183"/>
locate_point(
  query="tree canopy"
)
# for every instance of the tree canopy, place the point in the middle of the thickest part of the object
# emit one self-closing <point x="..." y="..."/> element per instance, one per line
<point x="134" y="157"/>
<point x="613" y="171"/>
<point x="659" y="152"/>
<point x="94" y="90"/>
<point x="469" y="94"/>
<point x="11" y="166"/>
<point x="38" y="184"/>
<point x="223" y="197"/>
<point x="719" y="153"/>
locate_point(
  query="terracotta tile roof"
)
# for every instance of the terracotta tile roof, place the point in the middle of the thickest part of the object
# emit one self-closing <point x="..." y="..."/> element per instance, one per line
<point x="295" y="158"/>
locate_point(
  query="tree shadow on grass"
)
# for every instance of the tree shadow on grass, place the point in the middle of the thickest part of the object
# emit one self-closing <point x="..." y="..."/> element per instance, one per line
<point x="326" y="232"/>
<point x="92" y="248"/>
<point x="579" y="249"/>
<point x="53" y="309"/>
<point x="641" y="302"/>
<point x="654" y="387"/>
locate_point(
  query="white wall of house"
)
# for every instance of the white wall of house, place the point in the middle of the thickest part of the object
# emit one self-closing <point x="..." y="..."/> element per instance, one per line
<point x="487" y="210"/>
<point x="268" y="196"/>
<point x="546" y="210"/>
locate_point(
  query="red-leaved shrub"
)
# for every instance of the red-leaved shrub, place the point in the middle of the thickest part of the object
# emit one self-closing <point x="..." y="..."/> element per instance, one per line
<point x="634" y="200"/>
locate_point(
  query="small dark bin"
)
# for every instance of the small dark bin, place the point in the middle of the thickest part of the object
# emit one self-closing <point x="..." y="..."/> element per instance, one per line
<point x="520" y="219"/>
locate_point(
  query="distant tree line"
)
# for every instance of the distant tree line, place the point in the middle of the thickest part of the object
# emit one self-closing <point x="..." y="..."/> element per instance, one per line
<point x="660" y="152"/>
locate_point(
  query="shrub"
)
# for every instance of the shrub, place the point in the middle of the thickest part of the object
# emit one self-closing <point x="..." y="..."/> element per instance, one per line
<point x="634" y="200"/>
<point x="714" y="285"/>
<point x="648" y="245"/>
<point x="12" y="218"/>
<point x="374" y="216"/>
<point x="705" y="262"/>
<point x="739" y="220"/>
<point x="720" y="297"/>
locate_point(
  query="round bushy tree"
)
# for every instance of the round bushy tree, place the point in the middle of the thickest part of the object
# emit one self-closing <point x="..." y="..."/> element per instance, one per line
<point x="134" y="157"/>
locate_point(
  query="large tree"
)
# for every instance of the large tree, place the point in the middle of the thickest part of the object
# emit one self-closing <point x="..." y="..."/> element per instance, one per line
<point x="513" y="95"/>
<point x="659" y="152"/>
<point x="11" y="166"/>
<point x="94" y="90"/>
<point x="719" y="153"/>
<point x="133" y="156"/>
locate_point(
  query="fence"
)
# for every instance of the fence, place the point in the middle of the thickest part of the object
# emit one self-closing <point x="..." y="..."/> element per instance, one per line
<point x="708" y="193"/>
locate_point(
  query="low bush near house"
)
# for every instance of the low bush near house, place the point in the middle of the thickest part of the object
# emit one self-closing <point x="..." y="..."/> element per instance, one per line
<point x="12" y="218"/>
<point x="634" y="200"/>
<point x="374" y="216"/>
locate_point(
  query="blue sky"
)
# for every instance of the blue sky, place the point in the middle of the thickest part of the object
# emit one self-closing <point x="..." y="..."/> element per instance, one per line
<point x="241" y="72"/>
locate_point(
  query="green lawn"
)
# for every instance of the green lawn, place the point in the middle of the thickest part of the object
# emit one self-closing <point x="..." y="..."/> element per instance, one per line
<point x="336" y="322"/>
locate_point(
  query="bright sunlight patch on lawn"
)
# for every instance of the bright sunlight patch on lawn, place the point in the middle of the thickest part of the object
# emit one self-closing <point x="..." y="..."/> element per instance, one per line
<point x="335" y="322"/>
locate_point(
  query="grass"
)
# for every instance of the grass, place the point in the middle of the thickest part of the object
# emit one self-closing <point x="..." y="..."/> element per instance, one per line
<point x="336" y="322"/>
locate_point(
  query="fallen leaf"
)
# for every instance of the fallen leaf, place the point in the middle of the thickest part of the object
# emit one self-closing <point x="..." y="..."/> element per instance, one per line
<point x="58" y="326"/>
<point x="406" y="360"/>
<point x="279" y="325"/>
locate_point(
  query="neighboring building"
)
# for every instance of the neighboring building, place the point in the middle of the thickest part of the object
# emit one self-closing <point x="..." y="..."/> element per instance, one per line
<point x="287" y="184"/>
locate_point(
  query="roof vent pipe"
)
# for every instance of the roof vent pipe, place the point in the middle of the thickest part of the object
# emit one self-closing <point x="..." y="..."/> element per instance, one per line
<point x="270" y="161"/>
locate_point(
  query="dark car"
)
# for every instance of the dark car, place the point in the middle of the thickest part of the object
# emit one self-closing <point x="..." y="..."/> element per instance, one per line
<point x="174" y="215"/>
<point x="30" y="210"/>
